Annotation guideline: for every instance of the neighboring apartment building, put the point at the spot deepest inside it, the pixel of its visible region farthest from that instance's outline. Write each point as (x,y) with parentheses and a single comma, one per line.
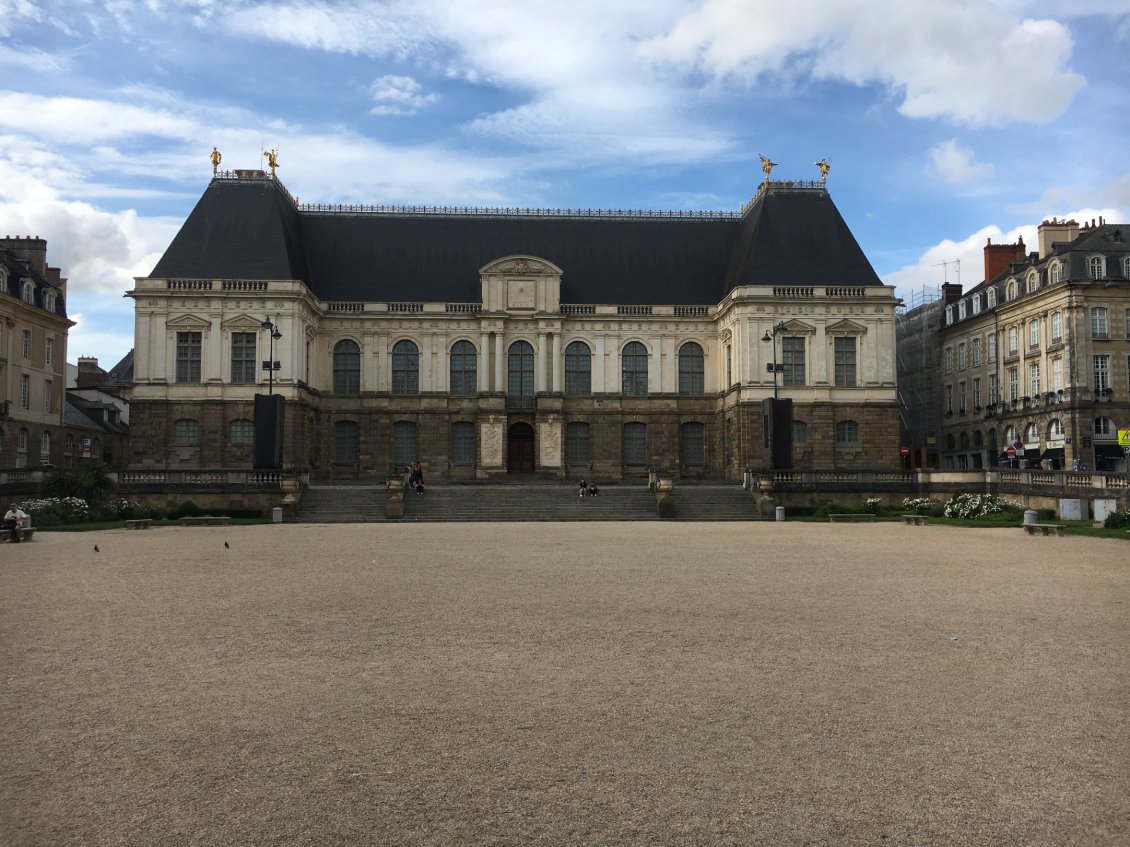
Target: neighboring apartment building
(493,341)
(33,351)
(1036,359)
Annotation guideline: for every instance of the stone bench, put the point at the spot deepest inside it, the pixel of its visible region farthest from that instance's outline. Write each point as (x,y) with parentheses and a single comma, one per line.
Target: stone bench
(205,520)
(1044,528)
(916,520)
(866,516)
(26,533)
(139,523)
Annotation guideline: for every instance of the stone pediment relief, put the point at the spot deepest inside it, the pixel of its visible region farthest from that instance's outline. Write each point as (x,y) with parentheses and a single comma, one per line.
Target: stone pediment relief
(521,265)
(845,327)
(242,322)
(798,328)
(187,322)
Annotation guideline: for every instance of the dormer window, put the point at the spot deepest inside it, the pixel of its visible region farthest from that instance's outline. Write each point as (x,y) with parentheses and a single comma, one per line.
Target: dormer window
(1126,267)
(1056,273)
(27,291)
(991,297)
(961,310)
(949,315)
(49,301)
(976,304)
(1032,282)
(1010,290)
(1096,266)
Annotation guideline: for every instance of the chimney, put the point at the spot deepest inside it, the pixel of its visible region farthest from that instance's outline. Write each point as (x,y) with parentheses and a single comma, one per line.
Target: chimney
(31,250)
(951,292)
(89,374)
(1055,232)
(999,256)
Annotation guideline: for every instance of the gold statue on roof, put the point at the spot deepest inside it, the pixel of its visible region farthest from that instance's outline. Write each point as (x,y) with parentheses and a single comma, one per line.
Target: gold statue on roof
(824,166)
(216,158)
(766,166)
(272,160)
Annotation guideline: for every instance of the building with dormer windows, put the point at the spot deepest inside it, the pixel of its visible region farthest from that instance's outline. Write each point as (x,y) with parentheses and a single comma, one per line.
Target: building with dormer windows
(487,342)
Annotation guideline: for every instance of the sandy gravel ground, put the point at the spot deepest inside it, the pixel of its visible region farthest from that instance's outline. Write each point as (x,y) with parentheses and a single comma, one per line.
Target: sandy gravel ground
(565,684)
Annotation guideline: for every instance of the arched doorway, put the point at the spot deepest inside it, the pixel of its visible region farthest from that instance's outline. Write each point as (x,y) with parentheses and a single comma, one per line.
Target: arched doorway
(520,449)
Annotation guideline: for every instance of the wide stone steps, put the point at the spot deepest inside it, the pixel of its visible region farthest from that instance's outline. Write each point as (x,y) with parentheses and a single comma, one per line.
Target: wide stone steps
(523,502)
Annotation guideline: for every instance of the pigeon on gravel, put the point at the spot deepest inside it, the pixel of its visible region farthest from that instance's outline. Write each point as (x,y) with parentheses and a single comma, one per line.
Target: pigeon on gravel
(227,546)
(96,550)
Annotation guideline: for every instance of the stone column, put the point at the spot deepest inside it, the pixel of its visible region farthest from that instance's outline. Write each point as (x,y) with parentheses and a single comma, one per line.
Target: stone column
(540,368)
(499,363)
(483,375)
(556,383)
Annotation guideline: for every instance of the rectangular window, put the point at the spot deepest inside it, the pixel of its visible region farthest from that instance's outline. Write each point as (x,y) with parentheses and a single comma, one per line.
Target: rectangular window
(991,349)
(994,389)
(25,391)
(1102,372)
(1013,340)
(976,352)
(949,399)
(949,359)
(27,344)
(961,398)
(188,356)
(1033,380)
(729,365)
(243,357)
(48,396)
(961,360)
(845,362)
(1057,373)
(49,352)
(1013,385)
(977,394)
(1057,327)
(792,355)
(577,443)
(1100,328)
(1034,334)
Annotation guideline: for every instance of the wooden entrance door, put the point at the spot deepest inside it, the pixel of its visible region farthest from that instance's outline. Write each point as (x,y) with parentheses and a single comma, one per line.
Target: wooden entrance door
(520,449)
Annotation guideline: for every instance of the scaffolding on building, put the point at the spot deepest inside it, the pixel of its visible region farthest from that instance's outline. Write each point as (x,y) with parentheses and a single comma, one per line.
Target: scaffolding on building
(918,363)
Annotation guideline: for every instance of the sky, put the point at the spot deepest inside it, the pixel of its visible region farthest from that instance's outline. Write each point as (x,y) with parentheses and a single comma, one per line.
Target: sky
(946,123)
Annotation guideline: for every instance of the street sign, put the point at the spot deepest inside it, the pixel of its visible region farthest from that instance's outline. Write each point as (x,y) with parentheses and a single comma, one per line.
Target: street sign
(1011,451)
(1124,438)
(905,451)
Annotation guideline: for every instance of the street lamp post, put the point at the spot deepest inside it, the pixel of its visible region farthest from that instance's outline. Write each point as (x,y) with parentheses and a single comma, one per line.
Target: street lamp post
(770,337)
(270,366)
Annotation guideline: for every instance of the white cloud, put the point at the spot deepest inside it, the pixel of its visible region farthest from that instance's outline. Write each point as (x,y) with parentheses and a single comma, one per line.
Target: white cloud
(963,60)
(399,95)
(956,164)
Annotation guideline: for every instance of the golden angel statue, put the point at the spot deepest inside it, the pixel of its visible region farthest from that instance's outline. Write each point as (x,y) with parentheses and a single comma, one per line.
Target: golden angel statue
(216,158)
(824,166)
(272,159)
(766,166)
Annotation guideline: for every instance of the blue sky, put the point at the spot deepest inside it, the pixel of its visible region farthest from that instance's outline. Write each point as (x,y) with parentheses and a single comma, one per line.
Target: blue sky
(945,123)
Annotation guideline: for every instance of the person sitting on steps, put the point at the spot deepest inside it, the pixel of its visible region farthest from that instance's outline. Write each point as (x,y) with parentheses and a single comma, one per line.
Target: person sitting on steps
(582,489)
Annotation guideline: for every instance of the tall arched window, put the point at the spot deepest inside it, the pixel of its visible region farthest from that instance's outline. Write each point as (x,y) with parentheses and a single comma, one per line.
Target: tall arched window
(577,443)
(464,369)
(347,367)
(405,368)
(963,441)
(635,443)
(634,370)
(1055,430)
(1031,434)
(1097,267)
(978,439)
(692,371)
(1104,426)
(520,371)
(403,442)
(346,442)
(693,444)
(578,370)
(1056,272)
(1010,290)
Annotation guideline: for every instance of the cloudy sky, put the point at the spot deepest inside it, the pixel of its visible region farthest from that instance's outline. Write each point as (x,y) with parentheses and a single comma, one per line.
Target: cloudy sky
(945,122)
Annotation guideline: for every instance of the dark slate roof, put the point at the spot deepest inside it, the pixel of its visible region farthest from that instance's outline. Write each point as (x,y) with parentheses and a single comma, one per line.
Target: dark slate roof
(19,270)
(249,228)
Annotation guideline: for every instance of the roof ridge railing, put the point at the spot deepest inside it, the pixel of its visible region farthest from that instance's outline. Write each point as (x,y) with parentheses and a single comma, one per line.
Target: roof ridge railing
(514,212)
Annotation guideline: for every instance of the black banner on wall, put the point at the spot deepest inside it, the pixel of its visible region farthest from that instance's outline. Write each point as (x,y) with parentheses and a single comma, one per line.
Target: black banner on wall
(268,452)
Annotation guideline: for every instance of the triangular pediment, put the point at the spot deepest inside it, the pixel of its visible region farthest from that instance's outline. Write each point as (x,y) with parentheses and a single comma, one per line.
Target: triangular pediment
(187,322)
(523,265)
(845,327)
(242,322)
(795,327)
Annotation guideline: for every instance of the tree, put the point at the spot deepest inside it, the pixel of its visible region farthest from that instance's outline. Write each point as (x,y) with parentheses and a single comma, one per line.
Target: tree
(89,479)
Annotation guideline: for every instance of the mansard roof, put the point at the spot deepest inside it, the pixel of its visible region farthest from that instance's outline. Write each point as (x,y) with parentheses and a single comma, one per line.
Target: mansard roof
(246,226)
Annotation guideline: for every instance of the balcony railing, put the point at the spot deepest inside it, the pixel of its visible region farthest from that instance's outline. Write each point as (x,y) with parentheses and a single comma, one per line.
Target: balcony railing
(521,404)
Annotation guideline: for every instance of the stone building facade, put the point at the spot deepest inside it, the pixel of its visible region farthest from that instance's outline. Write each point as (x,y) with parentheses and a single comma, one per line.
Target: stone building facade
(1037,357)
(486,342)
(33,351)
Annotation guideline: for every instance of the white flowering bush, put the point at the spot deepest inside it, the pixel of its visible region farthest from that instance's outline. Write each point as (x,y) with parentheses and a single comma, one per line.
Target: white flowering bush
(919,505)
(968,506)
(131,509)
(49,511)
(871,504)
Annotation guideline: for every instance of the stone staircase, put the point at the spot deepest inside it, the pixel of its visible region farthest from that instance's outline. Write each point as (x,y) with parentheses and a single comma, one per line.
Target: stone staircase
(523,502)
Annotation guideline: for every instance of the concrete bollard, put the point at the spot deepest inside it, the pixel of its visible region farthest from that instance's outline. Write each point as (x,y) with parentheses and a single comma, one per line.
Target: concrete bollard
(276,514)
(780,513)
(1029,516)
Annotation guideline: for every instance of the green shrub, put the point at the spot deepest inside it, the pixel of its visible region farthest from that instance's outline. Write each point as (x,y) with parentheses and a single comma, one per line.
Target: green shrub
(89,480)
(1045,515)
(187,509)
(1117,520)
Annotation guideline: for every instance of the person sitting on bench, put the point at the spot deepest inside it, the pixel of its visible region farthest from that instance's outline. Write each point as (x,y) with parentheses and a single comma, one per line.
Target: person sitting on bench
(14,520)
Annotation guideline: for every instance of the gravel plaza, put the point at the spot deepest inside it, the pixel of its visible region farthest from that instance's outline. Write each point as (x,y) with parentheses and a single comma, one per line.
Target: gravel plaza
(565,684)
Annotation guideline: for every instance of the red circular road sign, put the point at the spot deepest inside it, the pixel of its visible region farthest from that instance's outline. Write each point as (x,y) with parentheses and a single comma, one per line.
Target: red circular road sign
(905,451)
(1011,451)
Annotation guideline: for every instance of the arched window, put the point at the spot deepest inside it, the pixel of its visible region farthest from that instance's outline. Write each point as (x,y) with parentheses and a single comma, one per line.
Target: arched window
(1126,267)
(346,442)
(1055,430)
(49,301)
(520,371)
(464,370)
(403,442)
(1096,266)
(186,431)
(577,443)
(800,432)
(991,297)
(241,431)
(1100,322)
(1031,434)
(1056,272)
(847,432)
(633,371)
(405,368)
(45,447)
(1032,282)
(347,367)
(951,444)
(27,293)
(1104,426)
(692,371)
(578,370)
(693,444)
(963,441)
(463,443)
(978,439)
(635,443)
(1010,290)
